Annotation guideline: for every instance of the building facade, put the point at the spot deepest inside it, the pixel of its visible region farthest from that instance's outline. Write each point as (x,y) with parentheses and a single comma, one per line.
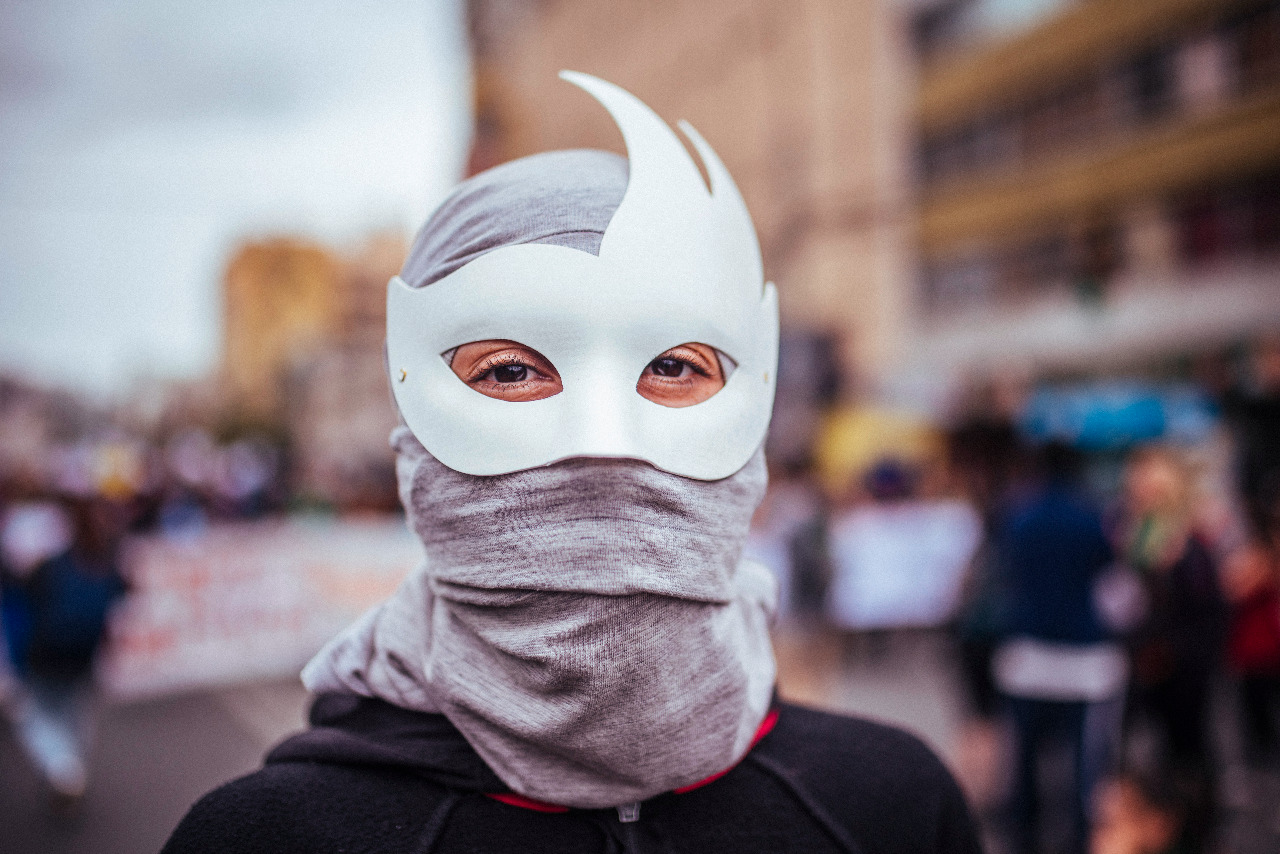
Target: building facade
(281,301)
(806,102)
(1101,192)
(949,190)
(304,329)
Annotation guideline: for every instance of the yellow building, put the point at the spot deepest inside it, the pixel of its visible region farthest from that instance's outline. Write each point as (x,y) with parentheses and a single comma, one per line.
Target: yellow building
(303,332)
(340,410)
(281,303)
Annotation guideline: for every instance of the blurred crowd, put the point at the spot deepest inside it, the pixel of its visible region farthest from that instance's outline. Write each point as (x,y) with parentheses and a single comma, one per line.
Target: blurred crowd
(1115,602)
(65,515)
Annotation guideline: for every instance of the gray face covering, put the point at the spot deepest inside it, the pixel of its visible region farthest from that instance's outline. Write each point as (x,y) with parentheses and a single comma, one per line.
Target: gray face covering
(588,626)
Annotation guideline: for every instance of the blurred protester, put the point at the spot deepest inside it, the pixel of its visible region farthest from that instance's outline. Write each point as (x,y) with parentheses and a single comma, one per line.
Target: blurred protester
(980,623)
(985,455)
(181,513)
(204,481)
(1253,411)
(1253,572)
(1177,648)
(1141,814)
(1253,651)
(32,531)
(12,608)
(62,577)
(244,473)
(984,448)
(1058,670)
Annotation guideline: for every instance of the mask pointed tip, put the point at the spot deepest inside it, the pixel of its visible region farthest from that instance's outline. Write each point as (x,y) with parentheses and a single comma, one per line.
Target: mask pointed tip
(583,81)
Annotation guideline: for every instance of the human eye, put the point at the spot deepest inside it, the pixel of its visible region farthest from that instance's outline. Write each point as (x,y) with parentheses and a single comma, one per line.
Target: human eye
(683,363)
(506,370)
(682,376)
(670,368)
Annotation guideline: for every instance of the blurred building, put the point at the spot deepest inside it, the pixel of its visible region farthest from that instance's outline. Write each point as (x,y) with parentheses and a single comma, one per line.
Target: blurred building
(806,103)
(33,422)
(281,302)
(950,188)
(303,330)
(1100,191)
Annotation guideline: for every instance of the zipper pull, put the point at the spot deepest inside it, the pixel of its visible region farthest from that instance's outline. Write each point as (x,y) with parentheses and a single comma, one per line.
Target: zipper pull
(628,813)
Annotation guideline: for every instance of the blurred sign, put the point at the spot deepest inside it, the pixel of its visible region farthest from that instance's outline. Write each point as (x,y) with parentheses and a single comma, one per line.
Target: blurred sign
(1112,415)
(900,565)
(247,601)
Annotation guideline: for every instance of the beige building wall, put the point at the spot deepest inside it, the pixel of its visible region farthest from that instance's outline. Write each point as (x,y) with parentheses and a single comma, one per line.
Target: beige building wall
(304,330)
(806,102)
(281,301)
(340,412)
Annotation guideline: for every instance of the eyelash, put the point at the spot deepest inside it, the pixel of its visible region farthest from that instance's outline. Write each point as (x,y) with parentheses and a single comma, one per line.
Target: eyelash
(693,366)
(500,361)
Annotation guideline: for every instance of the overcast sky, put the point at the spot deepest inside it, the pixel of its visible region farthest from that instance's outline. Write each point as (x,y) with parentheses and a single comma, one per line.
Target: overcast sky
(140,141)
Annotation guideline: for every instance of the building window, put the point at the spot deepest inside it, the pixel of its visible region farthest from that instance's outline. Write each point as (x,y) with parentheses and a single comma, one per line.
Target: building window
(1230,223)
(1198,70)
(960,282)
(1258,37)
(1152,84)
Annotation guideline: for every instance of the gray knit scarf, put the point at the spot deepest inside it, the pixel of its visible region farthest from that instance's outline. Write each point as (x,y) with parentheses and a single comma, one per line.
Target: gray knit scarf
(588,626)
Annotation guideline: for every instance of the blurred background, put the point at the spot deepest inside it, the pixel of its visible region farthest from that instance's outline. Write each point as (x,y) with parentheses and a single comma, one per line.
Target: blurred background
(1024,249)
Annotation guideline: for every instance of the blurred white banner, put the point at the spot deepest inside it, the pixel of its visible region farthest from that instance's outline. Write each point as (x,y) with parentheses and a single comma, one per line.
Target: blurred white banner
(244,602)
(900,565)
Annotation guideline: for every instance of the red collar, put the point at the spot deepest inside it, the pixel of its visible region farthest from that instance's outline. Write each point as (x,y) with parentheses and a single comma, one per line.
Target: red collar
(766,726)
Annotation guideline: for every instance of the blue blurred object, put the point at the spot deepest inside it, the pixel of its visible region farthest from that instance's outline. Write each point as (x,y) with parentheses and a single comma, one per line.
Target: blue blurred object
(890,479)
(1115,414)
(15,624)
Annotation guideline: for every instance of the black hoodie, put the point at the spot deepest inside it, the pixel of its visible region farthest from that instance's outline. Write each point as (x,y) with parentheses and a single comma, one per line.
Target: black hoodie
(371,777)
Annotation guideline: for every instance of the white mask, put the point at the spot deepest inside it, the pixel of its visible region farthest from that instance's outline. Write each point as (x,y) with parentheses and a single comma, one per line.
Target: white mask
(677,265)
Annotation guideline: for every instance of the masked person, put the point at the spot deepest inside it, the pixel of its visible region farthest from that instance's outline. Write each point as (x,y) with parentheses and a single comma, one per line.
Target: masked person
(583,352)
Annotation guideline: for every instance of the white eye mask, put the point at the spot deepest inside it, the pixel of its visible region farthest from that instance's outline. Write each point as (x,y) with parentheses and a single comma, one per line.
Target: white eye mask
(678,264)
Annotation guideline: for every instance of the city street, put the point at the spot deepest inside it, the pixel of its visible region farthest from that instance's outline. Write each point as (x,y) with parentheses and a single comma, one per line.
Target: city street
(152,760)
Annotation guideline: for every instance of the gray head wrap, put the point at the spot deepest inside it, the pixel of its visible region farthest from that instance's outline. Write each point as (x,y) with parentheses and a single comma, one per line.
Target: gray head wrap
(589,626)
(565,198)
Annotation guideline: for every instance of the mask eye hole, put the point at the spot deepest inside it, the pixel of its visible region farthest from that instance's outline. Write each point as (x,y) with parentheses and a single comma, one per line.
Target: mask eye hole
(683,376)
(505,370)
